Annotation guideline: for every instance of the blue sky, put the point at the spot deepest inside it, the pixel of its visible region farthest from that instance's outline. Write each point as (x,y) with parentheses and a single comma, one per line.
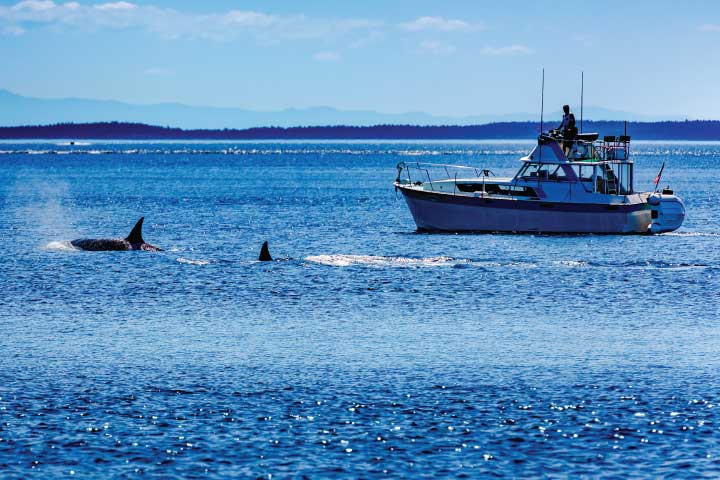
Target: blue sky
(446,58)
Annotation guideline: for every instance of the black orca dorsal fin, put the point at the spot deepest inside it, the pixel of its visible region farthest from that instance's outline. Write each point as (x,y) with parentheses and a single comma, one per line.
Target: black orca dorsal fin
(136,233)
(265,253)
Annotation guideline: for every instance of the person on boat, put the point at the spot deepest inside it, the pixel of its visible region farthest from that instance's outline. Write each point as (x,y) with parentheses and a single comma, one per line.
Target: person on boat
(568,129)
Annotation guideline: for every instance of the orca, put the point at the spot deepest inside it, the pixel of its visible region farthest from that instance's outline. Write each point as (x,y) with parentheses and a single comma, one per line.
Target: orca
(134,241)
(265,253)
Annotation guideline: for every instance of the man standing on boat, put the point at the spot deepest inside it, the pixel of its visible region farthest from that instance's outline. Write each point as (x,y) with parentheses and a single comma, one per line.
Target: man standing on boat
(568,128)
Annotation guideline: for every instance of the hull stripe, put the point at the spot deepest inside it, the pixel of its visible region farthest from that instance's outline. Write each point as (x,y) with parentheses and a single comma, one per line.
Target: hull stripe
(541,205)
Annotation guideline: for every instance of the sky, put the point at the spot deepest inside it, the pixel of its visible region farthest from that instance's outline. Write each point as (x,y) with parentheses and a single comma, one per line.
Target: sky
(452,58)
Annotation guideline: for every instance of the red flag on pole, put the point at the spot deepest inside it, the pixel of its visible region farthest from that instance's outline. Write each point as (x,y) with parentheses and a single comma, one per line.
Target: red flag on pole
(659,175)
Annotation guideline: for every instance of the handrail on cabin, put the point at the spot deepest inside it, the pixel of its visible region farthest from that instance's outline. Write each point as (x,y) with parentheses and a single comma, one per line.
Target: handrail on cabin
(444,165)
(420,167)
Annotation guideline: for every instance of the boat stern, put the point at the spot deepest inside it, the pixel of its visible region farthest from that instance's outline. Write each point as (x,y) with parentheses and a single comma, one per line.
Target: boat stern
(667,211)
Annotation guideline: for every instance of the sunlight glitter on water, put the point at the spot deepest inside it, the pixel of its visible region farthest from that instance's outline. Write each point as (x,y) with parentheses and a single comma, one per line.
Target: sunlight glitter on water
(511,356)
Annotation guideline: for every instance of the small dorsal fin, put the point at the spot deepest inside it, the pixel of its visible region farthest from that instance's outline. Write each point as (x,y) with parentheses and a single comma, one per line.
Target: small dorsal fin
(265,253)
(136,233)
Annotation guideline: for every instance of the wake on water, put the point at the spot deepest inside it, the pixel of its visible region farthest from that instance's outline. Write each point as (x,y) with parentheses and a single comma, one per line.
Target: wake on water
(379,261)
(189,261)
(690,234)
(340,260)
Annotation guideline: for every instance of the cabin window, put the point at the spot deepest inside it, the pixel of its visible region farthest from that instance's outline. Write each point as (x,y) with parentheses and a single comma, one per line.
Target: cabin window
(560,174)
(583,151)
(537,170)
(495,189)
(544,171)
(623,172)
(602,183)
(613,179)
(583,172)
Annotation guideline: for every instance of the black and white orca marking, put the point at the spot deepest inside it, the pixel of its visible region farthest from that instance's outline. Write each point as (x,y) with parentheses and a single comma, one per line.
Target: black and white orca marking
(134,241)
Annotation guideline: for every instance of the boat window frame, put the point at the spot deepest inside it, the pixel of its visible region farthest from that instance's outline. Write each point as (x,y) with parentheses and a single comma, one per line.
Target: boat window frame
(617,185)
(545,166)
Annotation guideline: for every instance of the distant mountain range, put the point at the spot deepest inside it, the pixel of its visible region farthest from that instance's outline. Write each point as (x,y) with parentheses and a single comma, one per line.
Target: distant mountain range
(16,110)
(685,130)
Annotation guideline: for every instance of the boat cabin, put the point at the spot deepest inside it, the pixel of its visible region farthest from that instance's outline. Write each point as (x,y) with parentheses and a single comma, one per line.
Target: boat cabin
(600,166)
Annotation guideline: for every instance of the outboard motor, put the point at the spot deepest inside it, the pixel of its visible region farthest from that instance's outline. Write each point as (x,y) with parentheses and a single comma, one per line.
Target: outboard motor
(667,211)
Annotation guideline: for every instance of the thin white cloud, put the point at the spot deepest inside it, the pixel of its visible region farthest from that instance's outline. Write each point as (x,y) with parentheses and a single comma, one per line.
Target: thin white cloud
(114,6)
(238,18)
(18,16)
(171,23)
(509,50)
(436,48)
(438,24)
(13,30)
(327,56)
(34,5)
(709,27)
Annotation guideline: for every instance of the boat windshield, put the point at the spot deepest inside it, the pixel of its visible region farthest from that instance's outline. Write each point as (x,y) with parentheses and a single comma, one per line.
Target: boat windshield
(583,150)
(546,171)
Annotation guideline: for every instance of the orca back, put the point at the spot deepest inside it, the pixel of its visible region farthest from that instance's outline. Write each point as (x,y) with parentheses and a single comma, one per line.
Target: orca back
(101,244)
(134,241)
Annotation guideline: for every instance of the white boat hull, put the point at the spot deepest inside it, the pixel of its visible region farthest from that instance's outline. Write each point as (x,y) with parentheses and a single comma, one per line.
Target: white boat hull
(434,211)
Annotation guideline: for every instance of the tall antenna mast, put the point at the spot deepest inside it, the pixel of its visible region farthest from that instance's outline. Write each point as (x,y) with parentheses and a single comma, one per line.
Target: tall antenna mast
(582,91)
(542,101)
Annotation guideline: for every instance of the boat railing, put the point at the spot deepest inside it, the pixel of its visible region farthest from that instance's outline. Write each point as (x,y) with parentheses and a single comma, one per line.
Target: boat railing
(586,146)
(615,148)
(417,173)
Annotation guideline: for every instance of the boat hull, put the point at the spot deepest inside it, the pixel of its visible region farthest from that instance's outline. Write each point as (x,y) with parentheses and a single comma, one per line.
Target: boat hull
(438,212)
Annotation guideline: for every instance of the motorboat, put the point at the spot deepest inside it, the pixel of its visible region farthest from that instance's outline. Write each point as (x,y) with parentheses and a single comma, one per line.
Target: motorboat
(583,185)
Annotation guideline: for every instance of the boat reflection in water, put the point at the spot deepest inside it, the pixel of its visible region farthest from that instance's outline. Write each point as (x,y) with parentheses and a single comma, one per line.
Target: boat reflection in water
(579,186)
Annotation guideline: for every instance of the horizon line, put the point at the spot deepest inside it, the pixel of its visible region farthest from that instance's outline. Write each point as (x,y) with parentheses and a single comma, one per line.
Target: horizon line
(116,130)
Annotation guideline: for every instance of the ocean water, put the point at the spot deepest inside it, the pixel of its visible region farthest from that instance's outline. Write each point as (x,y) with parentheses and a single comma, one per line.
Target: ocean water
(367,350)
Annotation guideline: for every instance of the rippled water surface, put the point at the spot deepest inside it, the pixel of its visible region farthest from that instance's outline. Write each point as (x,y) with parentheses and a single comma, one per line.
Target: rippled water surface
(367,350)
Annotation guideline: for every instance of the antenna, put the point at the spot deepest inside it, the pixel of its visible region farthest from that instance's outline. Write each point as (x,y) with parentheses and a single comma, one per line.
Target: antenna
(542,101)
(582,91)
(542,111)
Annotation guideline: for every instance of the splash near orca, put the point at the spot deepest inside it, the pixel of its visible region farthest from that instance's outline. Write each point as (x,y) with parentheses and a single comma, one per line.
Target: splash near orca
(265,253)
(134,241)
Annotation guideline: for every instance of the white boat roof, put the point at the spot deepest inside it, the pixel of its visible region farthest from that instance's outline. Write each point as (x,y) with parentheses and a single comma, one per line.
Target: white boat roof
(479,180)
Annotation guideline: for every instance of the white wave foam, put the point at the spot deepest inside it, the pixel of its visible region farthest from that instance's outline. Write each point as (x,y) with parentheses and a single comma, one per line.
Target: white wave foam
(60,246)
(572,263)
(377,261)
(380,261)
(192,262)
(690,234)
